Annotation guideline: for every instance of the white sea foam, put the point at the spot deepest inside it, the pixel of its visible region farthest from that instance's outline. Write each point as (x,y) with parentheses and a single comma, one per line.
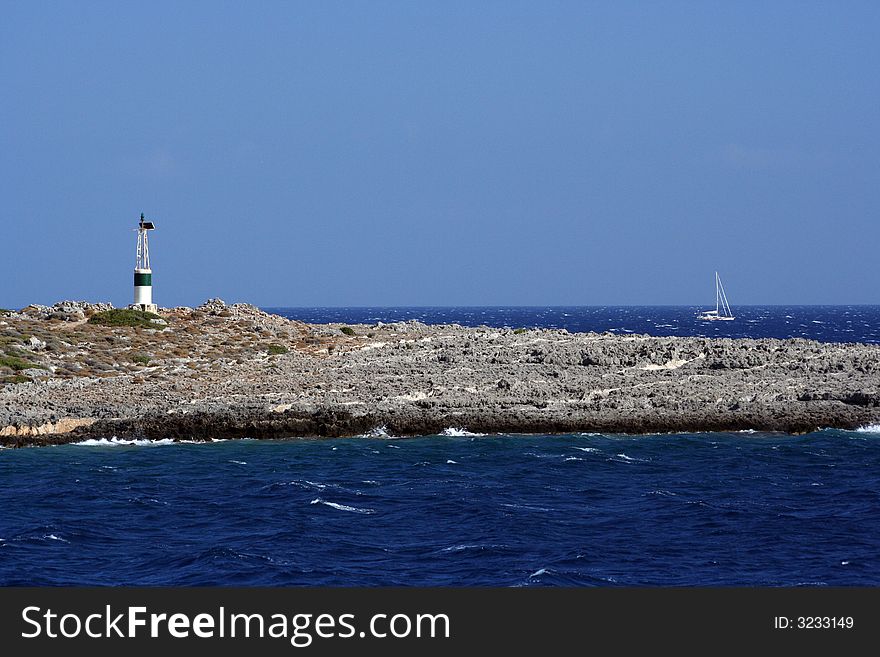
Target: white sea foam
(451,462)
(544,456)
(527,507)
(378,432)
(342,507)
(587,449)
(461,548)
(453,431)
(310,485)
(393,446)
(572,458)
(538,573)
(117,442)
(52,537)
(238,462)
(870,428)
(629,458)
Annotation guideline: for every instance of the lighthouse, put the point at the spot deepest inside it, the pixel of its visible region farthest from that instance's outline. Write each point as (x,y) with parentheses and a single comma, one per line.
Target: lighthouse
(143,275)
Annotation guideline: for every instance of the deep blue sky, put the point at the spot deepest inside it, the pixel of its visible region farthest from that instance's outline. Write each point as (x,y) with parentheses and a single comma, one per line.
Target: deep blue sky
(441,153)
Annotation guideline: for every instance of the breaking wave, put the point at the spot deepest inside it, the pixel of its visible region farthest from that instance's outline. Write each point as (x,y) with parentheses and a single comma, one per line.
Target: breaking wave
(379,432)
(117,442)
(342,507)
(453,431)
(870,428)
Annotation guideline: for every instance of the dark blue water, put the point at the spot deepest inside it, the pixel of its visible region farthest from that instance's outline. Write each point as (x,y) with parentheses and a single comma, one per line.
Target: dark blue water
(710,509)
(823,323)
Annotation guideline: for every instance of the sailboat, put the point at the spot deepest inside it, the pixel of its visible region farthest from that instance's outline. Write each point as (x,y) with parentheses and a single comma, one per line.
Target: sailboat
(722,308)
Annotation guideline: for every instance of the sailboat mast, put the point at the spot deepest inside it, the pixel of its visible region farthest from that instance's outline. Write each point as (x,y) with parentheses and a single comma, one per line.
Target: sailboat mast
(717,294)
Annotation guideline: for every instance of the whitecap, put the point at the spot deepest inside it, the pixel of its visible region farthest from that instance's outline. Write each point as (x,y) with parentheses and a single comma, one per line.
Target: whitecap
(342,507)
(393,446)
(238,462)
(572,458)
(630,459)
(372,482)
(587,449)
(451,462)
(544,456)
(52,537)
(461,548)
(538,573)
(453,431)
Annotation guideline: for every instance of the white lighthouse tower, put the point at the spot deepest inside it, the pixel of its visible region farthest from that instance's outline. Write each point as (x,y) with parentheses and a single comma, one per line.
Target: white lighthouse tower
(143,275)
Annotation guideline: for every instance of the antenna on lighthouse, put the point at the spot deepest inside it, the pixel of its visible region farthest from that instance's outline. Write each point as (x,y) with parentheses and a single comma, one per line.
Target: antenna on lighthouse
(143,275)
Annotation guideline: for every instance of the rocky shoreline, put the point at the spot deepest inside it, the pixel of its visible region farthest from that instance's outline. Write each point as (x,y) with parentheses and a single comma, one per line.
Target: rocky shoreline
(234,371)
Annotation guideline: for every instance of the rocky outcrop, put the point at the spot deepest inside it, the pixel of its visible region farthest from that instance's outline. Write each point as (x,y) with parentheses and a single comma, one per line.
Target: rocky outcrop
(68,311)
(235,371)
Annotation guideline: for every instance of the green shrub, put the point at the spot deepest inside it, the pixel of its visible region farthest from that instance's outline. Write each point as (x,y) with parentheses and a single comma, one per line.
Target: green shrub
(276,349)
(4,312)
(519,331)
(124,317)
(17,364)
(348,330)
(140,358)
(17,378)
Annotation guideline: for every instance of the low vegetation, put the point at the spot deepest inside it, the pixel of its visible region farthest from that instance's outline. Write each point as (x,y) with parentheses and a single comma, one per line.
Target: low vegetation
(519,331)
(348,330)
(17,364)
(276,349)
(125,317)
(141,359)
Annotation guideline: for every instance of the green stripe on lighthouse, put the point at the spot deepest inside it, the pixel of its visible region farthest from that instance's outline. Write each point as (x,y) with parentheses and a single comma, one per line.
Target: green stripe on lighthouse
(142,280)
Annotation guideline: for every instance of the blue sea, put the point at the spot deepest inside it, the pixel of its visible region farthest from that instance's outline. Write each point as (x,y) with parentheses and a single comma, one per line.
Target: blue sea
(823,323)
(461,509)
